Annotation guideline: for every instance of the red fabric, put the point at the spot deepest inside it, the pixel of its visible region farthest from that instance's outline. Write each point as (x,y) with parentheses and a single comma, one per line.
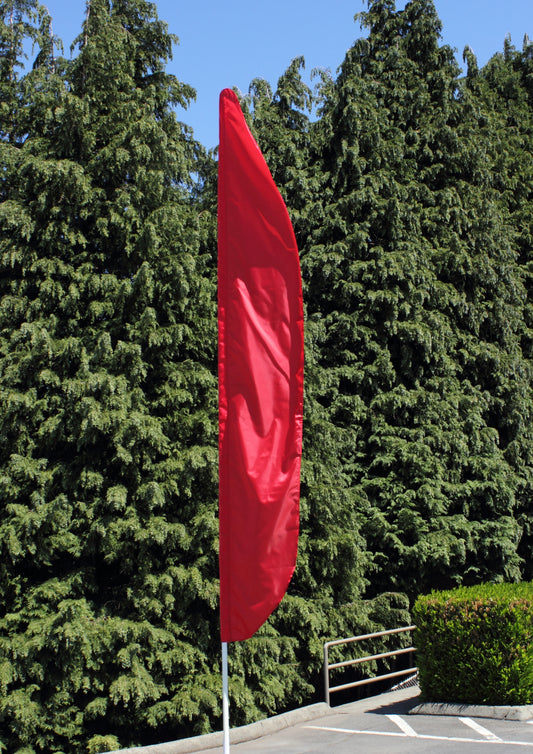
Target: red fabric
(260,382)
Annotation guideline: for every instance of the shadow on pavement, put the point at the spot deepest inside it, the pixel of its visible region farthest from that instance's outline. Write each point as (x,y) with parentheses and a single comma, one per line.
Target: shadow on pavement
(396,708)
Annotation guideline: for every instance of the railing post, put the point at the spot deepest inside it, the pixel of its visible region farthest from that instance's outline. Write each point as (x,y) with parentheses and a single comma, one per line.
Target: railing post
(326,674)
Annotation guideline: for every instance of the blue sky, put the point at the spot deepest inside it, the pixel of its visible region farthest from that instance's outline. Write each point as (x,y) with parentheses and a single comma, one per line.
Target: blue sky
(225,43)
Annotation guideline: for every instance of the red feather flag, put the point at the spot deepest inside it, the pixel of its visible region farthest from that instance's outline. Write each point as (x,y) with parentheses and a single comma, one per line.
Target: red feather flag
(260,317)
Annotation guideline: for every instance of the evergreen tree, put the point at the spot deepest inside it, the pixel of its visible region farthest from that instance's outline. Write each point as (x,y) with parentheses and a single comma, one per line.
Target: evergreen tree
(411,271)
(331,553)
(324,599)
(108,433)
(504,103)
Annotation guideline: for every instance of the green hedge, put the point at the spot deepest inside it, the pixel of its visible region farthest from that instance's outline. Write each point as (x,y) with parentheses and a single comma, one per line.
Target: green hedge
(475,644)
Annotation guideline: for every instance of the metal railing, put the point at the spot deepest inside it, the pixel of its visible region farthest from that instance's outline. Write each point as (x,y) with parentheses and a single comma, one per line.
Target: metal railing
(392,653)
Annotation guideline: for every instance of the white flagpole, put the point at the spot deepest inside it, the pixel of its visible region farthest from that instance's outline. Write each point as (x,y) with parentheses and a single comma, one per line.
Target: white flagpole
(225,698)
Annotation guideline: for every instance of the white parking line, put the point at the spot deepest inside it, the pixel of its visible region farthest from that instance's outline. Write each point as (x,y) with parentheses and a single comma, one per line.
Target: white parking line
(403,725)
(485,732)
(453,739)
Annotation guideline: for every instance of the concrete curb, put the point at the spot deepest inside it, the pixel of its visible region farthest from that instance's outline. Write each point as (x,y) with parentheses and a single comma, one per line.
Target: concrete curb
(518,713)
(237,735)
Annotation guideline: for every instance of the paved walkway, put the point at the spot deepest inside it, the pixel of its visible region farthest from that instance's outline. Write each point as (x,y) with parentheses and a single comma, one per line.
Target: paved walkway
(392,723)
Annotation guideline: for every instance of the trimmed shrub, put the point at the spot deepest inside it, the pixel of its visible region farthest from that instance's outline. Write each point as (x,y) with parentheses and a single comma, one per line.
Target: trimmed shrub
(475,644)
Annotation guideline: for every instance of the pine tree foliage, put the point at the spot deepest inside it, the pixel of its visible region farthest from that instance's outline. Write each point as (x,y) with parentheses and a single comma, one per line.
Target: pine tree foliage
(282,125)
(324,598)
(504,90)
(108,433)
(410,268)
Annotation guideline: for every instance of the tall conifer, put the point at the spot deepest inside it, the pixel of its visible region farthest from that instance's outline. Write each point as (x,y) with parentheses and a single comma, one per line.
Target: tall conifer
(504,103)
(325,596)
(411,271)
(107,394)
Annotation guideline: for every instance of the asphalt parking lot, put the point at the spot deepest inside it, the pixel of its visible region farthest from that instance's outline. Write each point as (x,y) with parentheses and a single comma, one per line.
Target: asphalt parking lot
(384,725)
(391,723)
